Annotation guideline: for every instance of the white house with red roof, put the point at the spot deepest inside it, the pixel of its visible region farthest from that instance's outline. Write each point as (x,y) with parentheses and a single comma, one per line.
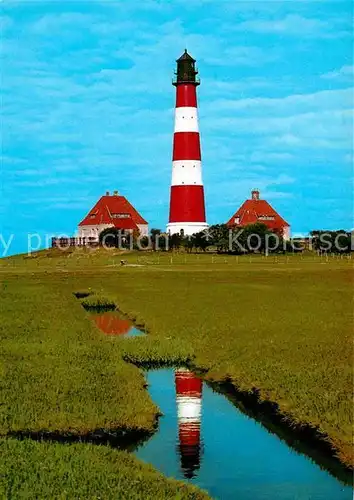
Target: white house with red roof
(112,211)
(257,210)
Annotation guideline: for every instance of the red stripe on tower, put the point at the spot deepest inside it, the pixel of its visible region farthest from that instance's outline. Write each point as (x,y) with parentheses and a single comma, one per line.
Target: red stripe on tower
(186,146)
(186,95)
(187,204)
(187,207)
(189,403)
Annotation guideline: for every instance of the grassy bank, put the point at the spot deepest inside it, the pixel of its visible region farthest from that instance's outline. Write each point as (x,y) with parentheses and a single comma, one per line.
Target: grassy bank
(284,328)
(50,470)
(60,373)
(281,325)
(60,376)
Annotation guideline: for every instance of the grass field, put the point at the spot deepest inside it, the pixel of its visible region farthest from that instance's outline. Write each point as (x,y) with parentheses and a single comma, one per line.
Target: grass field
(51,470)
(61,375)
(282,325)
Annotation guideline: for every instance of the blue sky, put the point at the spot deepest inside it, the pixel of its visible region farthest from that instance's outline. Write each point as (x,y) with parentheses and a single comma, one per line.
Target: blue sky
(87,106)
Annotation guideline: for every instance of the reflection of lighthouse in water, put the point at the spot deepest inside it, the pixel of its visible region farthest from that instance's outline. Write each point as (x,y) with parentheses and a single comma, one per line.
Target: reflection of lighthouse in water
(111,324)
(189,406)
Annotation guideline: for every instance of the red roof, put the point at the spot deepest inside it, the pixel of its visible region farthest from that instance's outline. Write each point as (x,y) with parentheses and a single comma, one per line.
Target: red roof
(114,210)
(256,210)
(124,223)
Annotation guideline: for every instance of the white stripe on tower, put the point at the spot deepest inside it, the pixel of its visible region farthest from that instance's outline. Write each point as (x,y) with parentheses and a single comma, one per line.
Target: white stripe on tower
(186,119)
(187,172)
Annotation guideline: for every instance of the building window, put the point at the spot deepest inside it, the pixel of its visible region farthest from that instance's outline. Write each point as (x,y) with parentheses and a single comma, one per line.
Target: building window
(120,216)
(266,217)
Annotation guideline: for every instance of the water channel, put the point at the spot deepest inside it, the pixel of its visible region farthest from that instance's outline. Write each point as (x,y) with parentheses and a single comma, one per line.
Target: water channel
(113,323)
(204,438)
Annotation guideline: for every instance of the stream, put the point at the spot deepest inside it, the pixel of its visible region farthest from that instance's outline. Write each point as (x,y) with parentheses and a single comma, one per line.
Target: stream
(203,438)
(113,323)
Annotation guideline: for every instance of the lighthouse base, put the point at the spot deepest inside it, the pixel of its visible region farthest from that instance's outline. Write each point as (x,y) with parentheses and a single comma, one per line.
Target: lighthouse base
(188,228)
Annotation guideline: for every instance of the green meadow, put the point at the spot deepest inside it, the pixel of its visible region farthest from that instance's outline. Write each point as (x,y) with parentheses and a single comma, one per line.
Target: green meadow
(278,324)
(50,470)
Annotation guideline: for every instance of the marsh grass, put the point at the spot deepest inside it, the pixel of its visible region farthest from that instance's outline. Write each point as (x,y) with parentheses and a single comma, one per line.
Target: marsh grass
(82,294)
(279,326)
(42,470)
(64,382)
(122,439)
(98,302)
(60,373)
(147,352)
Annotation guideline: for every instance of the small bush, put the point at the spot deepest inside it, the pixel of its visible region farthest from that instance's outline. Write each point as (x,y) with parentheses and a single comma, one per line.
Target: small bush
(147,352)
(82,294)
(100,302)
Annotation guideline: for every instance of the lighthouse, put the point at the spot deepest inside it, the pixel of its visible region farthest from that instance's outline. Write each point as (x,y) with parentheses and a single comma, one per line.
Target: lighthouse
(189,404)
(187,207)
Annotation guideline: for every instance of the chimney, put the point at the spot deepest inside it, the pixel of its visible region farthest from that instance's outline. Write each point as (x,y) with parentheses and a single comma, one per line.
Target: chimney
(115,193)
(107,193)
(255,194)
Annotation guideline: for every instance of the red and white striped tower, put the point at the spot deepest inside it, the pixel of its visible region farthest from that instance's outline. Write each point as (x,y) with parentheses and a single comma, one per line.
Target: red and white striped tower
(189,406)
(187,208)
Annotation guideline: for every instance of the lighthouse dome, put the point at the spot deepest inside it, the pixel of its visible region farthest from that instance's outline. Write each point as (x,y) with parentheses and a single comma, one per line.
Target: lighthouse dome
(186,70)
(185,57)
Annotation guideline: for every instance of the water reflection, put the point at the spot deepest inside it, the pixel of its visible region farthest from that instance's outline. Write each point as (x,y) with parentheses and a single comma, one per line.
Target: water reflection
(212,444)
(111,323)
(189,406)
